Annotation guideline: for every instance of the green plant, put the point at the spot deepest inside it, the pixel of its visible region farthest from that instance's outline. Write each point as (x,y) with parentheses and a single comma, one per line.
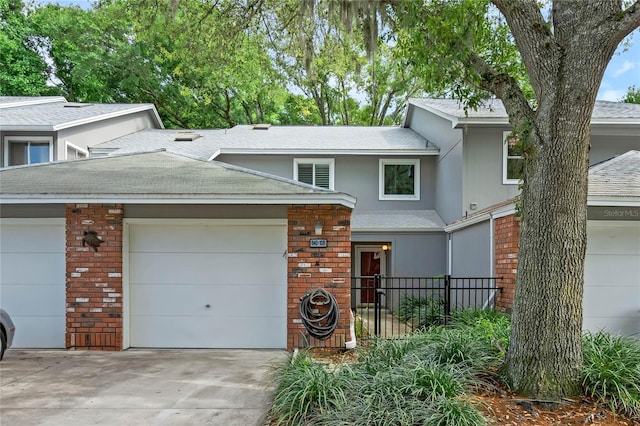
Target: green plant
(611,371)
(421,311)
(455,411)
(306,387)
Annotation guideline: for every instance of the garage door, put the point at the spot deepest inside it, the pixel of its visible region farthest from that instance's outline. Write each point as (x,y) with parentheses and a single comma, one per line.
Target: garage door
(612,277)
(32,280)
(215,285)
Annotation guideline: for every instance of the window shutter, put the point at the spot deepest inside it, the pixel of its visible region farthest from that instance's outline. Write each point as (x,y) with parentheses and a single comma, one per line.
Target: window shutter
(305,173)
(322,175)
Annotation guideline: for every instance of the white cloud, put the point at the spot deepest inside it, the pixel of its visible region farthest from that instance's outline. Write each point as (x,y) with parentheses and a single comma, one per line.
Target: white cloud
(611,95)
(626,66)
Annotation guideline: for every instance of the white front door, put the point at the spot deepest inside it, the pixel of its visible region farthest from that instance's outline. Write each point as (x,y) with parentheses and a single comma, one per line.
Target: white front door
(32,280)
(216,284)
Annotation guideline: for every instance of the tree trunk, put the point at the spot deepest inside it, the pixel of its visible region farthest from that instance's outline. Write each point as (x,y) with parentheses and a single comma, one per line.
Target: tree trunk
(544,359)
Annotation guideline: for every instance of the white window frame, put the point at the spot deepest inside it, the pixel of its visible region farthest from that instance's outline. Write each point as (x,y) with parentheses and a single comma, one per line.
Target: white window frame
(314,161)
(76,148)
(505,159)
(9,139)
(415,162)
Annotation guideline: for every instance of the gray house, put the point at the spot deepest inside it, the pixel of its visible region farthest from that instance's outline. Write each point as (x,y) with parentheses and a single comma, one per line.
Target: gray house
(432,197)
(475,196)
(43,129)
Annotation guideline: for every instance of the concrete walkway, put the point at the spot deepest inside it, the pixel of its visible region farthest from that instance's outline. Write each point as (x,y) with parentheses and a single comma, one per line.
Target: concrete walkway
(136,387)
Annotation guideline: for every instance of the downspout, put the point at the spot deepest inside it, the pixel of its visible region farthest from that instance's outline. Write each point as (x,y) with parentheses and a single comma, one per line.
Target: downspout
(449,252)
(492,247)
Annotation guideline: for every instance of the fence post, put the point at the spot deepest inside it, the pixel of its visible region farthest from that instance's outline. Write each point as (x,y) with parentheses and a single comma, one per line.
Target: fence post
(447,298)
(376,305)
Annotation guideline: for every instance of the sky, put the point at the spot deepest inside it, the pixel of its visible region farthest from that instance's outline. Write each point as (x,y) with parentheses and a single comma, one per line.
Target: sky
(623,70)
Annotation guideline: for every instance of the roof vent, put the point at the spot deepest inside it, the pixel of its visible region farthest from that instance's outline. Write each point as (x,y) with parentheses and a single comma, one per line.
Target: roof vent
(262,126)
(186,136)
(75,105)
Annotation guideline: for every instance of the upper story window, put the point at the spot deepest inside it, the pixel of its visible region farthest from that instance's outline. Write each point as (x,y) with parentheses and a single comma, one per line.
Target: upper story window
(73,152)
(512,161)
(399,179)
(19,150)
(314,171)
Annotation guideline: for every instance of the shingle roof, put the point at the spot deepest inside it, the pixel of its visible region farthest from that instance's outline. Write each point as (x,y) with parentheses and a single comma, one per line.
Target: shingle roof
(396,220)
(492,110)
(14,101)
(617,177)
(60,114)
(279,139)
(155,175)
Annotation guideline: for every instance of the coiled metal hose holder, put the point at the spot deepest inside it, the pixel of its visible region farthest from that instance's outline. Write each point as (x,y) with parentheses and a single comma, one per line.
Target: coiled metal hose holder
(319,321)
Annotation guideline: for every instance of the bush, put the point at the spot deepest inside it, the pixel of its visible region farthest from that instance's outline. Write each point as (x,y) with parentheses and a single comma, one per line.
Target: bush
(421,312)
(305,387)
(611,371)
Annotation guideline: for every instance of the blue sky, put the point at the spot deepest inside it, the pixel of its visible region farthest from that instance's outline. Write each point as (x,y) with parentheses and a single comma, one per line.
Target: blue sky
(623,70)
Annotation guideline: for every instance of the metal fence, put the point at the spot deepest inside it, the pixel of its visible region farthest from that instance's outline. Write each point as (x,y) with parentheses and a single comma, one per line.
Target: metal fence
(391,307)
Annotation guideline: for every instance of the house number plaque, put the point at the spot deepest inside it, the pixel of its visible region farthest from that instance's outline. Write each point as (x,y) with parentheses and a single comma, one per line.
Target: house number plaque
(318,243)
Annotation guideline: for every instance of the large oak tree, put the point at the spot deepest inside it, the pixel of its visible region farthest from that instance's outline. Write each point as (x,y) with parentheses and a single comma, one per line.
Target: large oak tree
(565,49)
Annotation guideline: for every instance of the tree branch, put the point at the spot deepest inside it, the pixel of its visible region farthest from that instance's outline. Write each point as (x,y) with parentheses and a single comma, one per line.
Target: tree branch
(533,37)
(504,87)
(628,20)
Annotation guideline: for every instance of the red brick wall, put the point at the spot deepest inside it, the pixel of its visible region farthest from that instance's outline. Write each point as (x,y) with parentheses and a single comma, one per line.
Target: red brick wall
(506,237)
(311,268)
(94,279)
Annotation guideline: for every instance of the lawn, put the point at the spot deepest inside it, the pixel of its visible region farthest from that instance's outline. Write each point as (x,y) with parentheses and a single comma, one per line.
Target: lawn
(449,376)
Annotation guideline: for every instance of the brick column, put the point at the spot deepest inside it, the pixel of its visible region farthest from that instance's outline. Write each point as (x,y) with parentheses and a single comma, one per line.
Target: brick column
(94,278)
(506,239)
(311,268)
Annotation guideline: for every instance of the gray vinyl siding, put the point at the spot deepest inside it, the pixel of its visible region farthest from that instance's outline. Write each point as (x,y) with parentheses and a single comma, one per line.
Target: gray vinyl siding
(471,251)
(354,175)
(449,165)
(604,147)
(91,134)
(411,255)
(483,169)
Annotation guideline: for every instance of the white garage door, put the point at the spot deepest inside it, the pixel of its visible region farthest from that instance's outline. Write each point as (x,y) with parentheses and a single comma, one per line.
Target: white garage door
(612,277)
(32,280)
(215,285)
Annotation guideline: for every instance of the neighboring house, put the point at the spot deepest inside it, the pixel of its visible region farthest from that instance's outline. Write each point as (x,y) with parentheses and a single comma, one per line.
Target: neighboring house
(475,196)
(429,198)
(43,129)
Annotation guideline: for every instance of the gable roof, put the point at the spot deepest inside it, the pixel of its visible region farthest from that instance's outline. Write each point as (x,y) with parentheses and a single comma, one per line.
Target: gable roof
(155,177)
(617,178)
(51,114)
(492,112)
(302,140)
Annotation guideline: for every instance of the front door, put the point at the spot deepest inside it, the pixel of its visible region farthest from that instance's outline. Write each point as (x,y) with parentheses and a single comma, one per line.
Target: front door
(371,261)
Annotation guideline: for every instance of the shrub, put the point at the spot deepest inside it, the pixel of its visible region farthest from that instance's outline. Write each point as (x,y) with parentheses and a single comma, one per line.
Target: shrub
(420,311)
(305,387)
(611,371)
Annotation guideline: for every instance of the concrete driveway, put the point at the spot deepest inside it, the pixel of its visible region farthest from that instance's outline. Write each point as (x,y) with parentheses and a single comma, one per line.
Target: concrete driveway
(136,387)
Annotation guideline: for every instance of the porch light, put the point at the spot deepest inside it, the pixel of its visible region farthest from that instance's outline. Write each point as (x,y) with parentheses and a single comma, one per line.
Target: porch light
(386,247)
(318,228)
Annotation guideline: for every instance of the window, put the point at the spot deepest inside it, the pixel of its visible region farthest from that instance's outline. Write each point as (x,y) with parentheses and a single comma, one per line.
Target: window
(73,152)
(399,179)
(512,161)
(314,171)
(19,150)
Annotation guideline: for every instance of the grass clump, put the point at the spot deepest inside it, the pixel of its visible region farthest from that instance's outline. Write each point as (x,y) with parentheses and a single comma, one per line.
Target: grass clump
(611,372)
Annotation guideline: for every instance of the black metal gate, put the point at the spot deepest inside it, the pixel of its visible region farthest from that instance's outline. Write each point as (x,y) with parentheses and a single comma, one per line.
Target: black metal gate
(404,304)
